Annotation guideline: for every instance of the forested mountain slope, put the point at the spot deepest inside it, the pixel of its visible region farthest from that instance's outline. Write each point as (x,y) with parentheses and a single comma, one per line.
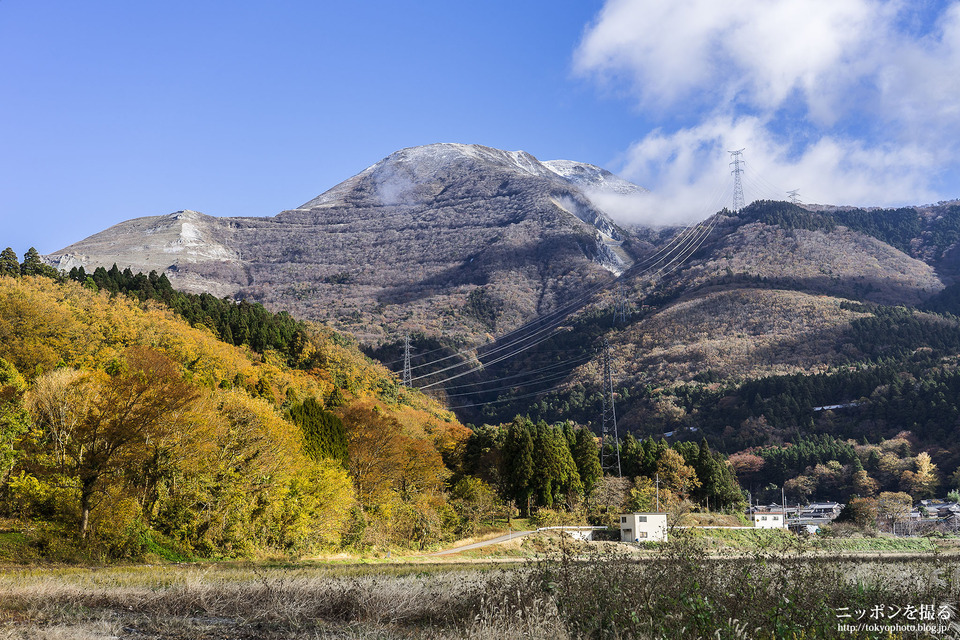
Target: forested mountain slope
(780,311)
(124,429)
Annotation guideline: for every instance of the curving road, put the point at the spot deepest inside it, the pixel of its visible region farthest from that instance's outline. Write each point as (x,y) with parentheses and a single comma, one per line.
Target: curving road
(476,545)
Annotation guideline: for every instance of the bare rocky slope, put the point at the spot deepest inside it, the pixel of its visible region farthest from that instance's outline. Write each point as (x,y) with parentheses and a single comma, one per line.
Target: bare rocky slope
(447,239)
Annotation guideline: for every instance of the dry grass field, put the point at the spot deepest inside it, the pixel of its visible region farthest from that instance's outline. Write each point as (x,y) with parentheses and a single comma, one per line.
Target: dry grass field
(776,589)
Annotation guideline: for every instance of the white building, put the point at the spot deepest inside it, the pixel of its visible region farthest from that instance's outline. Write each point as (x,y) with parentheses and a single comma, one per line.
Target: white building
(767,520)
(643,527)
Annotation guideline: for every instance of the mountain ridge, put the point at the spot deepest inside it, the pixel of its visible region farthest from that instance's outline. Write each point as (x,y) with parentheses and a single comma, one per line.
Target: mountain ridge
(421,229)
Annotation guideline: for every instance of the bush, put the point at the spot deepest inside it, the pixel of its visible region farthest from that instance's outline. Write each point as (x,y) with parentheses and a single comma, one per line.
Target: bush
(554,518)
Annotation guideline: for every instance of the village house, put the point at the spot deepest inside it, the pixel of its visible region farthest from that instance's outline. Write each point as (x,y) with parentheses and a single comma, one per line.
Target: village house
(767,520)
(948,509)
(643,527)
(772,516)
(825,510)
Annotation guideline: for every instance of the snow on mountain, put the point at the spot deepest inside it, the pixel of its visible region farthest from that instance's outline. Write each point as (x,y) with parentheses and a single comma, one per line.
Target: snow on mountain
(592,178)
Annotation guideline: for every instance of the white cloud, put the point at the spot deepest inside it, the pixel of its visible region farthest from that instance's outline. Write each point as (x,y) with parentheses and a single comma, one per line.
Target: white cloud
(691,170)
(743,50)
(836,97)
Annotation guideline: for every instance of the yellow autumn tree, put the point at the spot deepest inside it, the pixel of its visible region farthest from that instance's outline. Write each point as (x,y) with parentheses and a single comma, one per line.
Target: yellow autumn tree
(923,481)
(102,424)
(675,475)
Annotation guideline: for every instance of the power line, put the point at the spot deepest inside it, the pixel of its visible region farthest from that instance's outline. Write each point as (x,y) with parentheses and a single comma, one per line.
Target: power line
(562,385)
(565,309)
(667,259)
(684,250)
(551,378)
(566,363)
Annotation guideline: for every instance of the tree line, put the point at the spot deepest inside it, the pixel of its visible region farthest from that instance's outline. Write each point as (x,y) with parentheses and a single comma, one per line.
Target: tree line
(236,322)
(540,466)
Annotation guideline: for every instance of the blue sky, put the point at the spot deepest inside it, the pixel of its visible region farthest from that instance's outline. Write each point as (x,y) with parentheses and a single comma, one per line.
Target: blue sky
(111,110)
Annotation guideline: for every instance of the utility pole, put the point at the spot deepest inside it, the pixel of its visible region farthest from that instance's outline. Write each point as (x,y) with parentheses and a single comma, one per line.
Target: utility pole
(737,165)
(783,501)
(658,492)
(610,448)
(794,196)
(407,376)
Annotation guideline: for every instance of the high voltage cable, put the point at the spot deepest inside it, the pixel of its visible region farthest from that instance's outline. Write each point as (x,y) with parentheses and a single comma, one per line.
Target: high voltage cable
(682,247)
(482,365)
(520,397)
(563,309)
(488,364)
(557,365)
(678,239)
(695,246)
(695,240)
(556,376)
(687,248)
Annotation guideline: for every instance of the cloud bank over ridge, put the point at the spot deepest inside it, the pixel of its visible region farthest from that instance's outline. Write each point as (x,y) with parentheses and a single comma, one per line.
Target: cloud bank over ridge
(850,102)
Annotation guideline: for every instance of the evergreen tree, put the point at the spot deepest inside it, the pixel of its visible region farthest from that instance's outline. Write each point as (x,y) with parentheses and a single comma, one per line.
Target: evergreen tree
(9,264)
(556,475)
(324,435)
(631,456)
(518,463)
(33,265)
(586,455)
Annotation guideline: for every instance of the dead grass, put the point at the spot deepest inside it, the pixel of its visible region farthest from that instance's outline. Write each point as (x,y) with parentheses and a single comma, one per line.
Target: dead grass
(576,590)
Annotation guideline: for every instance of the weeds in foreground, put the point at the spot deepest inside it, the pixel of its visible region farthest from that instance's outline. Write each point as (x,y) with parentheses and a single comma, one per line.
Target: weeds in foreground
(778,590)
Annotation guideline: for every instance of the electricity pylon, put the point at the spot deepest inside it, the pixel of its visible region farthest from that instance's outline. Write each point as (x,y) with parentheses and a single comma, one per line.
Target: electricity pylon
(620,305)
(407,376)
(609,442)
(737,165)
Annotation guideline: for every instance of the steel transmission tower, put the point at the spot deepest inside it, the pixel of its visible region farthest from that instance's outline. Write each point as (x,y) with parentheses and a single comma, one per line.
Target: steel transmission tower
(737,165)
(794,196)
(407,376)
(620,305)
(609,442)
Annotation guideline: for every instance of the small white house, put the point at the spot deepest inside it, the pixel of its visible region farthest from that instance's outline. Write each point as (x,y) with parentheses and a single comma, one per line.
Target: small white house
(767,520)
(643,527)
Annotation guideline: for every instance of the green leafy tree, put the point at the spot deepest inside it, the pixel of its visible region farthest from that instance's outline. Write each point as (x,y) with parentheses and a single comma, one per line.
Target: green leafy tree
(475,502)
(14,419)
(483,454)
